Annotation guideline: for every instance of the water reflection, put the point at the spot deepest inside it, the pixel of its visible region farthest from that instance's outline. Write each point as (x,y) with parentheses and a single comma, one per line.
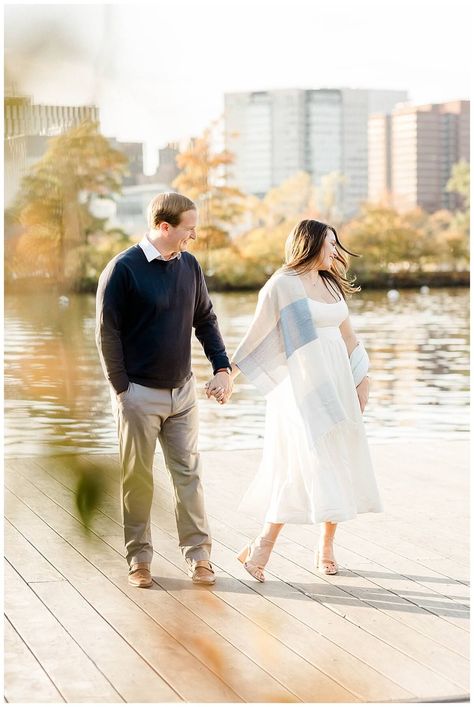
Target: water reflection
(55,394)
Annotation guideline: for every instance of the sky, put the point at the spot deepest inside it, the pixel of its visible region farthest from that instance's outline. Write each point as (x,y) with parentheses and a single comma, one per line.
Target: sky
(159,71)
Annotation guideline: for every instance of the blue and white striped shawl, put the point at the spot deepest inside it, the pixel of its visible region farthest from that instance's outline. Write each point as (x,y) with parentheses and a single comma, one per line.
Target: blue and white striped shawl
(283,341)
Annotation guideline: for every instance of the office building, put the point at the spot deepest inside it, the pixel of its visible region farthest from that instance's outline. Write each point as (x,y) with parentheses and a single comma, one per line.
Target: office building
(419,145)
(133,151)
(274,134)
(380,158)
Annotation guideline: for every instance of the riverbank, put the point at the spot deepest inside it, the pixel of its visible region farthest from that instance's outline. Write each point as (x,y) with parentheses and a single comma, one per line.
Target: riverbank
(376,281)
(392,626)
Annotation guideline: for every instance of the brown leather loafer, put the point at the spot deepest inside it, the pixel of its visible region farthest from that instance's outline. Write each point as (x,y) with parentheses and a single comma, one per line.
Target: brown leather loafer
(140,575)
(201,572)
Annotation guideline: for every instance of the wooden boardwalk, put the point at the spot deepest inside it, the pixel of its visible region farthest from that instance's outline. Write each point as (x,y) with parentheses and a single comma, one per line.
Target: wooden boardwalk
(391,627)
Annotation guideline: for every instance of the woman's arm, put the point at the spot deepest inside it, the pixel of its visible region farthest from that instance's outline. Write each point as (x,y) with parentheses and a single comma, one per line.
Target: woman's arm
(350,340)
(348,334)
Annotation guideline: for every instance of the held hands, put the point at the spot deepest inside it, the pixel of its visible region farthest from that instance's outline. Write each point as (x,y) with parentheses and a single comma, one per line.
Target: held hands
(220,387)
(363,392)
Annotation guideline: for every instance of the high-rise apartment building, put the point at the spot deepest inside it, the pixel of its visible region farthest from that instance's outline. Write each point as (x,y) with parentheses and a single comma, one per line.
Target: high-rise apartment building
(380,158)
(26,128)
(265,131)
(419,145)
(274,134)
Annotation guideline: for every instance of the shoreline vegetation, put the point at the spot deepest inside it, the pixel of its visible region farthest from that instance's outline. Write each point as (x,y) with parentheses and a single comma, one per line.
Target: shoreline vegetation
(56,235)
(384,282)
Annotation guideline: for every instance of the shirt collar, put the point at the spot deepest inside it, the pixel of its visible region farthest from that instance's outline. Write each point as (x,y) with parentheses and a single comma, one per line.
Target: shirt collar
(151,252)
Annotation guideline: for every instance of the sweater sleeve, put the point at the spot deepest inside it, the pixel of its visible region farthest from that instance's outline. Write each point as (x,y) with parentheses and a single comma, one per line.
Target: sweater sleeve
(206,327)
(110,301)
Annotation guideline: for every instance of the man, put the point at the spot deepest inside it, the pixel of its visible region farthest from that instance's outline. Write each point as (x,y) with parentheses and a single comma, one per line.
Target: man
(149,298)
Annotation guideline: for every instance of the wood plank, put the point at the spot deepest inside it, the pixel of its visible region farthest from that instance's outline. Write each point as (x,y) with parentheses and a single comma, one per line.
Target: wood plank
(163,517)
(441,660)
(20,662)
(402,609)
(323,651)
(216,500)
(299,672)
(438,495)
(71,670)
(34,567)
(408,609)
(428,591)
(161,546)
(216,490)
(334,597)
(132,677)
(388,661)
(362,586)
(319,650)
(154,644)
(220,611)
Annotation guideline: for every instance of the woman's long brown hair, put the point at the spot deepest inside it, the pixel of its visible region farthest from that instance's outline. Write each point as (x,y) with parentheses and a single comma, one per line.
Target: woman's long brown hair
(302,251)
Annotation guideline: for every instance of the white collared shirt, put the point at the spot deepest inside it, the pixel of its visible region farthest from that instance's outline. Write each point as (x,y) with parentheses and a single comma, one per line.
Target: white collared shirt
(151,252)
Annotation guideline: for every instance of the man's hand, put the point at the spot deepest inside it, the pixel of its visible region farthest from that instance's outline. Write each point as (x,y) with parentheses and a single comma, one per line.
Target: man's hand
(363,392)
(123,393)
(220,387)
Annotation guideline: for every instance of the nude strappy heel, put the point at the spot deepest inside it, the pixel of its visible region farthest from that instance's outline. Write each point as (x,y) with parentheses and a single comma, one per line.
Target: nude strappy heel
(326,566)
(255,556)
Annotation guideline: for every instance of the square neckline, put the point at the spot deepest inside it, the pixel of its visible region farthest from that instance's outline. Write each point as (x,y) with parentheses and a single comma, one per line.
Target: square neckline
(303,288)
(319,302)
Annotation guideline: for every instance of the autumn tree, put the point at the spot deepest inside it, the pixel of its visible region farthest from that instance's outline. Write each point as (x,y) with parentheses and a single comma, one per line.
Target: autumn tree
(292,200)
(53,205)
(202,178)
(386,239)
(328,197)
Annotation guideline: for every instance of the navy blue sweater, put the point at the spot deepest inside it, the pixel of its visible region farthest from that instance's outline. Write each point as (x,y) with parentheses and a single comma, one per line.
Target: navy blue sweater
(145,315)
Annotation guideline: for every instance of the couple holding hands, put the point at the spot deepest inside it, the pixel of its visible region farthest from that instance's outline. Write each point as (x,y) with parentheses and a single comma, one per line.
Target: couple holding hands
(300,352)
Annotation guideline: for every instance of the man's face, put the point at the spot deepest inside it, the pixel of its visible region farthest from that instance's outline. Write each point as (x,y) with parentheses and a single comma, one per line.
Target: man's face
(180,235)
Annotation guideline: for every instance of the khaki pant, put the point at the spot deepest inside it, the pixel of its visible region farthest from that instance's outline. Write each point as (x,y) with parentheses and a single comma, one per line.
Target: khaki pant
(144,415)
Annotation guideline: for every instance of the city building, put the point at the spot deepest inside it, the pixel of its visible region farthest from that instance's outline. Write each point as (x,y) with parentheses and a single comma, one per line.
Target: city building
(27,127)
(167,170)
(134,153)
(412,152)
(274,134)
(380,158)
(131,207)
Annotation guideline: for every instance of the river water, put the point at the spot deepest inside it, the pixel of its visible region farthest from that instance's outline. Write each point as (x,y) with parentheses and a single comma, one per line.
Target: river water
(56,397)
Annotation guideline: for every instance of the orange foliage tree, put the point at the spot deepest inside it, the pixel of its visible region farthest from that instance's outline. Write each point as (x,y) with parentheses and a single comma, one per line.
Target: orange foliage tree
(52,207)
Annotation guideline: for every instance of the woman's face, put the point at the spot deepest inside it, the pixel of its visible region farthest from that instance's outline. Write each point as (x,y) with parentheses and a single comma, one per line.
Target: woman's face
(328,251)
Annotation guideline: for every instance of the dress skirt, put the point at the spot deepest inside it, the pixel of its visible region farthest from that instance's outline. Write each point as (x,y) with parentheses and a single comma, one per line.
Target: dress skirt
(333,482)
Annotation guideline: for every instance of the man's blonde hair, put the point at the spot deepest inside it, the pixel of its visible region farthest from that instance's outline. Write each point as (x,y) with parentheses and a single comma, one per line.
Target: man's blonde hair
(168,207)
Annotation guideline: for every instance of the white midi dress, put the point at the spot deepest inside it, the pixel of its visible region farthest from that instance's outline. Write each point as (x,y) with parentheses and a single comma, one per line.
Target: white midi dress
(333,482)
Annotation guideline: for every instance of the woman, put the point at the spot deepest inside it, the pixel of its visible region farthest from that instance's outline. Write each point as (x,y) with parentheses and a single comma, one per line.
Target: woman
(303,355)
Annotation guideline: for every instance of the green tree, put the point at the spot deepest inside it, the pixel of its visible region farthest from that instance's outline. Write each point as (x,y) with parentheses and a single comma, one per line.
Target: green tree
(459,182)
(457,238)
(387,240)
(52,207)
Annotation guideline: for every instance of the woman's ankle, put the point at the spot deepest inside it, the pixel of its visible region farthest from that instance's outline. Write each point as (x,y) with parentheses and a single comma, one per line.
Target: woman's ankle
(262,539)
(326,542)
